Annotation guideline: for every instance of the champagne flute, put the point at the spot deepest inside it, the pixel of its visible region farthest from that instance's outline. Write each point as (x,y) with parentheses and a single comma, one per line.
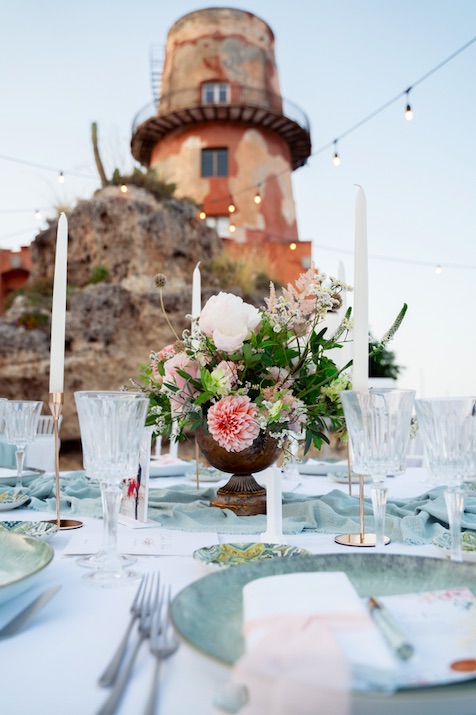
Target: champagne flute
(111,425)
(447,428)
(21,423)
(378,424)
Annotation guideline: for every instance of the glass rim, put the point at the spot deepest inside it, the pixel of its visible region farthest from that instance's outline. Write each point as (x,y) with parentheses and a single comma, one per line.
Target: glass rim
(115,393)
(445,399)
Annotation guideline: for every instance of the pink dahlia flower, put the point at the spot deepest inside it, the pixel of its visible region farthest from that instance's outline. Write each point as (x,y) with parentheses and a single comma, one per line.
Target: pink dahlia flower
(232,422)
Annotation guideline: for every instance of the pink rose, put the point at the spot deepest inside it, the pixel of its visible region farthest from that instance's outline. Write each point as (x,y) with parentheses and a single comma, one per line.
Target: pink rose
(232,422)
(228,321)
(181,361)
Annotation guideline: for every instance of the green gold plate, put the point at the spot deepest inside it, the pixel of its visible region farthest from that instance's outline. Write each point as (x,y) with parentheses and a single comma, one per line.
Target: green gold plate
(236,554)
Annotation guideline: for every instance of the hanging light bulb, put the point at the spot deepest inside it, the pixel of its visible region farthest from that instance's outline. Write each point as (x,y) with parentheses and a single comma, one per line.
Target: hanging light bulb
(202,215)
(231,207)
(124,188)
(37,214)
(438,270)
(61,177)
(232,228)
(257,198)
(292,246)
(408,110)
(336,159)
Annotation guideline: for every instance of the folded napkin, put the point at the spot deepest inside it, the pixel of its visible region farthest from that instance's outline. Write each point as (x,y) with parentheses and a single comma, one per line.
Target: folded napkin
(309,640)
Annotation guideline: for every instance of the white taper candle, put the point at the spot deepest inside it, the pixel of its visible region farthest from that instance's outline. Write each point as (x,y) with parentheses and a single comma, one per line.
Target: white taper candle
(360,371)
(58,311)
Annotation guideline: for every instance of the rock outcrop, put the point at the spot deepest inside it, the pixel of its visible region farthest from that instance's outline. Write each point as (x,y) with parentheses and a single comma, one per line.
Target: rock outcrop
(111,326)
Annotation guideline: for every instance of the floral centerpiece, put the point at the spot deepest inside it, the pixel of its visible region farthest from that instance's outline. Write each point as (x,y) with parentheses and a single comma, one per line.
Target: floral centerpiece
(241,371)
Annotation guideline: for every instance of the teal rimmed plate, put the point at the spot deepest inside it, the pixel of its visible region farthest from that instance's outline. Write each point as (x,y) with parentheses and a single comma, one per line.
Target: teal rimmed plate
(208,614)
(221,555)
(22,558)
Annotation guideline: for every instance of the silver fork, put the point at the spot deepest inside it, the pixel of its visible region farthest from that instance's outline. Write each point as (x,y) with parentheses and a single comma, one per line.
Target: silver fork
(163,644)
(150,604)
(110,674)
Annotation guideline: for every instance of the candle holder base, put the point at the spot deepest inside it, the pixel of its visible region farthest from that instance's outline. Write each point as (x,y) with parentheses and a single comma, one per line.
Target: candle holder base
(359,540)
(65,524)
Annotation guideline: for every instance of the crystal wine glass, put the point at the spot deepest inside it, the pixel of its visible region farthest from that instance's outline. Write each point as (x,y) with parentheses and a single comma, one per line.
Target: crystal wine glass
(21,423)
(447,427)
(378,424)
(111,425)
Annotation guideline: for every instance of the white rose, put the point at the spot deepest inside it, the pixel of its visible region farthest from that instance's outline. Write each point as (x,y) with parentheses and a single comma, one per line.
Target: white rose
(228,321)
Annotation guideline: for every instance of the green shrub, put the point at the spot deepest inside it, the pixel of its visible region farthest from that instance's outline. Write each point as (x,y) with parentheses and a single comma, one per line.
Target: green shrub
(98,274)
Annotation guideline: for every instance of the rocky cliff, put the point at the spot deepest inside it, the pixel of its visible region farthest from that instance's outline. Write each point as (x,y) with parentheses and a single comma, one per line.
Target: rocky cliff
(111,326)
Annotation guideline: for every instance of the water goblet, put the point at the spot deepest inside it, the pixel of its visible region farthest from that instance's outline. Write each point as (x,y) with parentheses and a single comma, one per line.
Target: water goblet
(21,423)
(111,426)
(378,424)
(448,429)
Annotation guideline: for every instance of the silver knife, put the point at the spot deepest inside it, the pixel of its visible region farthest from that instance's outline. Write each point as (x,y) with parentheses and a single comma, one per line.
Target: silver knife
(17,623)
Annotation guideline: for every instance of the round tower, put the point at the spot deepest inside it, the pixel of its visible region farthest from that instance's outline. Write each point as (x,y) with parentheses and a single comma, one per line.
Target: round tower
(223,134)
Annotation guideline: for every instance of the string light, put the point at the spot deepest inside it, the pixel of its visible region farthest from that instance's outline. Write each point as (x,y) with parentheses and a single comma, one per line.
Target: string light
(202,215)
(438,270)
(408,110)
(231,207)
(336,159)
(61,177)
(124,188)
(232,228)
(292,246)
(257,198)
(37,214)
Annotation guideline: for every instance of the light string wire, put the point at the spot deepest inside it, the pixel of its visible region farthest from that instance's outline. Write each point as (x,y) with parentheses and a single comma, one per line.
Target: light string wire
(320,150)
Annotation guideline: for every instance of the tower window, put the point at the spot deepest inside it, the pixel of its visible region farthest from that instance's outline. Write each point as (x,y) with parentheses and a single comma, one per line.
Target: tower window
(215,92)
(214,162)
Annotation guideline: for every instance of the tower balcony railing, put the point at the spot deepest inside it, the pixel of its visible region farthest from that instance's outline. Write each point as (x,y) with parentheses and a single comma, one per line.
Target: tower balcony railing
(189,99)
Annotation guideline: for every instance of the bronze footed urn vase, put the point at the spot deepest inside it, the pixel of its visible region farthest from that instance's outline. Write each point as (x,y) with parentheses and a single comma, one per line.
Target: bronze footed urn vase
(242,493)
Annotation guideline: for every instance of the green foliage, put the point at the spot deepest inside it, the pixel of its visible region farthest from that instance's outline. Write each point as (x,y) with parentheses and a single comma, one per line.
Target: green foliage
(382,362)
(38,293)
(98,274)
(146,180)
(33,320)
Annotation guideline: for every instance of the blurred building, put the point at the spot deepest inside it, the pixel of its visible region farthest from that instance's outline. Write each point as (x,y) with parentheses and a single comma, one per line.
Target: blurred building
(222,132)
(15,267)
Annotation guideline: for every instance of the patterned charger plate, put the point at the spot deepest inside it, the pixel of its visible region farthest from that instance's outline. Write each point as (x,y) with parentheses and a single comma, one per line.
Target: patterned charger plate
(468,544)
(40,529)
(11,501)
(236,554)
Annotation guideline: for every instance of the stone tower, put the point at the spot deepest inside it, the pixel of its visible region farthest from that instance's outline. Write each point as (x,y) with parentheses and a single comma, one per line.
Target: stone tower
(225,136)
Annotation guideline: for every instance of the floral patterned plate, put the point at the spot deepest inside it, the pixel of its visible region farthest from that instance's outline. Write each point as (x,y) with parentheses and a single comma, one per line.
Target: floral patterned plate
(235,554)
(40,529)
(11,501)
(468,544)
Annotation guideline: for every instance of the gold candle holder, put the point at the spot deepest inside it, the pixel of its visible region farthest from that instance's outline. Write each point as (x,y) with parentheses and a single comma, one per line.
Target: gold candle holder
(55,403)
(360,539)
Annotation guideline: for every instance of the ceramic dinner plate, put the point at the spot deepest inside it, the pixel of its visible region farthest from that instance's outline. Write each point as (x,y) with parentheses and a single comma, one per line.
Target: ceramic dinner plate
(208,614)
(468,545)
(220,555)
(12,501)
(321,468)
(174,469)
(39,529)
(8,475)
(22,558)
(208,474)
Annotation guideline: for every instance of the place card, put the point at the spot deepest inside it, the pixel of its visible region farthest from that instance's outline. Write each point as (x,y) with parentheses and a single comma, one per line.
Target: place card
(150,541)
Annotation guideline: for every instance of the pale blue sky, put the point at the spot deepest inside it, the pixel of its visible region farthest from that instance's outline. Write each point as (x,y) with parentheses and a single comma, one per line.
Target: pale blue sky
(63,66)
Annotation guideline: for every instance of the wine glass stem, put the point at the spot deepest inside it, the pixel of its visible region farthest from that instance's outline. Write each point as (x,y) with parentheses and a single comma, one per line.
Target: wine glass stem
(379,503)
(20,458)
(454,498)
(111,497)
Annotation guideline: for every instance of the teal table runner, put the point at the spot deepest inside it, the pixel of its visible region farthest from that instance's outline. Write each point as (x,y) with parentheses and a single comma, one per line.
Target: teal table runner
(415,521)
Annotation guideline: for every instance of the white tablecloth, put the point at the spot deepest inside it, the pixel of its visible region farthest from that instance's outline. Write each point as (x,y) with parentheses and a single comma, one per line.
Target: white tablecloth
(52,667)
